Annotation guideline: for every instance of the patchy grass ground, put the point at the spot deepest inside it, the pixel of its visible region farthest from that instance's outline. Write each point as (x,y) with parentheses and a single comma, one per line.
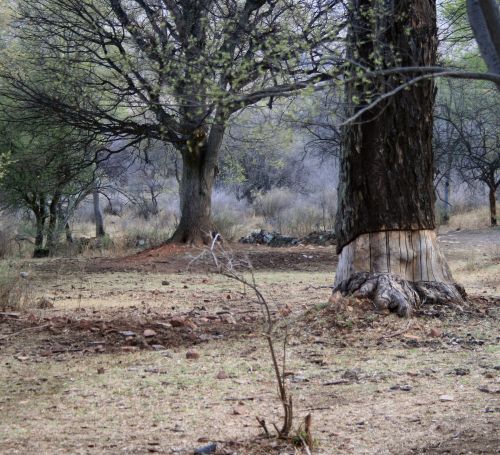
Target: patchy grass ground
(105,371)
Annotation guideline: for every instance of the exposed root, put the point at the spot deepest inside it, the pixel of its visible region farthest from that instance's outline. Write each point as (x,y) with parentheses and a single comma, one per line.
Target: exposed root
(389,291)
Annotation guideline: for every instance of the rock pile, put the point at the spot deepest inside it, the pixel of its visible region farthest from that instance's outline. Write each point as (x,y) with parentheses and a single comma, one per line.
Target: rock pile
(275,239)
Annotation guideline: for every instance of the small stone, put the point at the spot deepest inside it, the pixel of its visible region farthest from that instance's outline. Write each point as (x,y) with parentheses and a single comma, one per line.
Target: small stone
(100,370)
(210,448)
(446,398)
(228,319)
(158,347)
(461,371)
(165,283)
(148,333)
(127,333)
(403,387)
(44,303)
(222,375)
(192,355)
(352,375)
(435,332)
(176,322)
(130,348)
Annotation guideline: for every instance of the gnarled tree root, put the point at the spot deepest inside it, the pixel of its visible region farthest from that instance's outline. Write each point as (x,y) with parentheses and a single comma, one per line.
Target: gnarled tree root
(389,291)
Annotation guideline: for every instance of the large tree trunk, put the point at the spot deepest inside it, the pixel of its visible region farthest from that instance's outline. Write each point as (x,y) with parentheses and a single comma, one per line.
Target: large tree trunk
(52,233)
(98,216)
(447,184)
(493,204)
(199,168)
(385,221)
(40,212)
(68,233)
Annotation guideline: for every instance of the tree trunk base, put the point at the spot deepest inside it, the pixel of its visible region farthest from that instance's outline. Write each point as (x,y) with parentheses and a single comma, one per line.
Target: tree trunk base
(191,237)
(389,291)
(40,253)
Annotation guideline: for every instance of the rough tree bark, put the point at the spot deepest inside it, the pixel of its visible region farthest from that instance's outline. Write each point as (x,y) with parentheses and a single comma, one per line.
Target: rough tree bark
(199,169)
(385,221)
(40,210)
(493,204)
(52,225)
(68,233)
(99,219)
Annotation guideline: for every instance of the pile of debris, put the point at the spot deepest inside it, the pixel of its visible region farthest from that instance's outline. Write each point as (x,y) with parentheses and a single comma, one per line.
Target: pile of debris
(322,238)
(275,239)
(269,238)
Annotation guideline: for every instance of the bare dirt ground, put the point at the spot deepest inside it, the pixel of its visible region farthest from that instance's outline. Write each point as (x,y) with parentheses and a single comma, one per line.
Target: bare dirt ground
(106,369)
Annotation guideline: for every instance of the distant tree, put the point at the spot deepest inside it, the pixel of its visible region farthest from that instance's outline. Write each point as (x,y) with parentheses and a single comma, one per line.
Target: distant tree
(46,172)
(475,119)
(385,221)
(174,71)
(261,152)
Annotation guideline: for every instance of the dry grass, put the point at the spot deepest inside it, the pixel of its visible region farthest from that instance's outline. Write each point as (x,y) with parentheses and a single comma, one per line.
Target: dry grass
(478,218)
(16,290)
(367,390)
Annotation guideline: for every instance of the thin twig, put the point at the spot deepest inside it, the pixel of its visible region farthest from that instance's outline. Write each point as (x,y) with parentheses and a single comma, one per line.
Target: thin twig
(28,329)
(399,332)
(304,444)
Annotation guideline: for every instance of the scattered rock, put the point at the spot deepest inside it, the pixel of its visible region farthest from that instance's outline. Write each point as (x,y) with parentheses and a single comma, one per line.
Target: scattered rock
(100,370)
(275,239)
(44,303)
(10,315)
(165,283)
(352,375)
(210,448)
(177,321)
(269,238)
(130,348)
(222,375)
(148,333)
(461,371)
(435,332)
(127,333)
(487,389)
(402,387)
(228,319)
(158,347)
(192,355)
(446,398)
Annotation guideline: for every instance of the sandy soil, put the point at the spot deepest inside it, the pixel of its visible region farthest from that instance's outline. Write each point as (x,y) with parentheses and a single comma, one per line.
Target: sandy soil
(106,369)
